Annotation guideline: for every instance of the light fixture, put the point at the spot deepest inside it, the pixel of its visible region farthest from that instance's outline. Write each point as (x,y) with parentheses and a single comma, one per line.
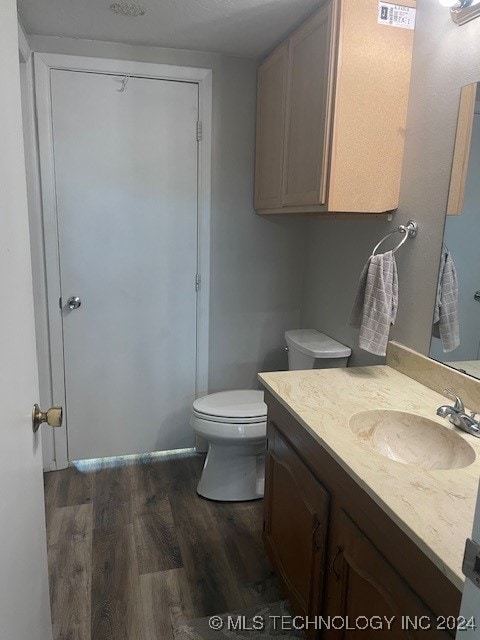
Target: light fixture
(128,9)
(462,11)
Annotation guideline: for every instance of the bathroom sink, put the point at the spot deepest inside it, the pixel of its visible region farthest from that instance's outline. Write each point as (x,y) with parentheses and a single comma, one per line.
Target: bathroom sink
(412,439)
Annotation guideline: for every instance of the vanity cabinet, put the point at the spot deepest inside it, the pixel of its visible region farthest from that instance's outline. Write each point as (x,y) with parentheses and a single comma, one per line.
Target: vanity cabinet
(331,114)
(295,531)
(363,584)
(336,552)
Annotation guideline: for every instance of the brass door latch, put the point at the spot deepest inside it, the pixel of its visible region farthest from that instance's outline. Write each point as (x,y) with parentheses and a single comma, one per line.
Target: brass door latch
(53,417)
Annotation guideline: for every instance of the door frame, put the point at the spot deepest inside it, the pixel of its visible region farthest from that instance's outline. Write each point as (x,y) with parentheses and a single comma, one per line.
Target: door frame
(43,65)
(36,234)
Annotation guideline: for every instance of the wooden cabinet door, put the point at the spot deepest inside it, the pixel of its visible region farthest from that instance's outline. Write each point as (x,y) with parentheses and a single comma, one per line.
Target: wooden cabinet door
(296,518)
(271,102)
(308,111)
(362,584)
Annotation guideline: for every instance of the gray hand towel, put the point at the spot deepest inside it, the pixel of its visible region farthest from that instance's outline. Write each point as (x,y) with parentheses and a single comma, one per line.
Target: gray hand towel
(375,307)
(445,317)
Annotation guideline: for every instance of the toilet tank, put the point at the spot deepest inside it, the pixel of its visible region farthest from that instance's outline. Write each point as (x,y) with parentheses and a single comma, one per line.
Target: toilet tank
(310,349)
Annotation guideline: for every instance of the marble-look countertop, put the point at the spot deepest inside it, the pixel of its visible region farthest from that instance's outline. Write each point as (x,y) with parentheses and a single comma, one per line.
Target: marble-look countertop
(435,508)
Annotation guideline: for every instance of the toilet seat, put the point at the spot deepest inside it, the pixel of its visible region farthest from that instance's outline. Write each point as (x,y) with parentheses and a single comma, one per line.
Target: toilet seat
(232,407)
(223,420)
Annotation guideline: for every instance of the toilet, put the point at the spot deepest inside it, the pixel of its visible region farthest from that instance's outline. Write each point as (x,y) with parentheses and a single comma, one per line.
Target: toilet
(234,423)
(310,349)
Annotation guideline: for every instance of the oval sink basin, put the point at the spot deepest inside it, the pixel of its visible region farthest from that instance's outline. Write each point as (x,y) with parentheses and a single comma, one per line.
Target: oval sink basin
(412,439)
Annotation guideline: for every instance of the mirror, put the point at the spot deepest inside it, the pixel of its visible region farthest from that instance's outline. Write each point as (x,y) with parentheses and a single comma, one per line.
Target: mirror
(456,330)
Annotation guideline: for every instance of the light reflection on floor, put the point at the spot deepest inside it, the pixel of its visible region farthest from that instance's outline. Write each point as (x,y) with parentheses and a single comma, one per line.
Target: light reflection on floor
(90,466)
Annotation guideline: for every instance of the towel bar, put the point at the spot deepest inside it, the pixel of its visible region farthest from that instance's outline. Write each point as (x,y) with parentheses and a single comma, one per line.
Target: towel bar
(409,230)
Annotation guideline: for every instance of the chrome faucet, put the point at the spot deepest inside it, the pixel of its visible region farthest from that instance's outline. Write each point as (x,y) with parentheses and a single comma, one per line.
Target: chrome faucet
(458,417)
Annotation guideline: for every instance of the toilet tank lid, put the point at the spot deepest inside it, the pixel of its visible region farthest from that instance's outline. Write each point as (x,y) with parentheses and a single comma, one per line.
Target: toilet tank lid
(316,344)
(243,403)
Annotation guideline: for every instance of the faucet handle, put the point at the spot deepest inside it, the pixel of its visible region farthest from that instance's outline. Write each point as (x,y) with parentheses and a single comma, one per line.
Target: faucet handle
(459,406)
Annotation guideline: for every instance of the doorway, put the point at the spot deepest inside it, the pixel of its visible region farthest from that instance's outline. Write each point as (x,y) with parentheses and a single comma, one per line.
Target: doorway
(125,159)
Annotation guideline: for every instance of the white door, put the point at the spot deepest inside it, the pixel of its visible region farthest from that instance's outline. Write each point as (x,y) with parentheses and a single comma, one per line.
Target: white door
(24,600)
(470,609)
(125,152)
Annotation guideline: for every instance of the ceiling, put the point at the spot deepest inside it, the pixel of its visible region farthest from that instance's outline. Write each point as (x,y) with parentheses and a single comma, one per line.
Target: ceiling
(246,28)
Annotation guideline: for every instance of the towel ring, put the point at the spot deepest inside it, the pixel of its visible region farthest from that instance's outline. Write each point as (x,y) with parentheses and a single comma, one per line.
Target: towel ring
(409,230)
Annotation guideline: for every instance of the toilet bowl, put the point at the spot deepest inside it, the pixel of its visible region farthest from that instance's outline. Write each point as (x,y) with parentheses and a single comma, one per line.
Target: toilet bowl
(234,423)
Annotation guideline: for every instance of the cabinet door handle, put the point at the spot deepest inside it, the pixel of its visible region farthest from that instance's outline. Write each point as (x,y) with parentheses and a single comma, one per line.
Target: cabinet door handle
(334,562)
(318,537)
(315,537)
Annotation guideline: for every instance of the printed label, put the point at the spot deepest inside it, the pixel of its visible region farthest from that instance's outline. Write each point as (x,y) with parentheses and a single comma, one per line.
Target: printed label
(395,15)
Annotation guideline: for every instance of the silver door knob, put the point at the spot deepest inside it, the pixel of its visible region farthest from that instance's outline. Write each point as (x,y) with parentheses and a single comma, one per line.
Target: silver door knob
(477,296)
(74,302)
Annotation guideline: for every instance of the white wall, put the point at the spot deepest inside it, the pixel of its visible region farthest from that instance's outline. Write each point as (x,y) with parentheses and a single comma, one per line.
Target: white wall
(255,262)
(446,57)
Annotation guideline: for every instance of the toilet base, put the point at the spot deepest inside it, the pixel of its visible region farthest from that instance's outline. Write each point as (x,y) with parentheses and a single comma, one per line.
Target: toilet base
(233,472)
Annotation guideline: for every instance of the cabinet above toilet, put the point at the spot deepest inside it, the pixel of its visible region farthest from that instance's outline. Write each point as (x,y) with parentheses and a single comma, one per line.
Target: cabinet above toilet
(331,112)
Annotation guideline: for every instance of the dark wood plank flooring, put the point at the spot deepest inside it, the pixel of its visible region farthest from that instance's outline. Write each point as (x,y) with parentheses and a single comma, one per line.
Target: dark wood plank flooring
(133,550)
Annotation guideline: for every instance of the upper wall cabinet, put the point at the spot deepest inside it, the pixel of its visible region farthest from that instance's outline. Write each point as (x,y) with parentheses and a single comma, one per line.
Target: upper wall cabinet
(271,98)
(331,112)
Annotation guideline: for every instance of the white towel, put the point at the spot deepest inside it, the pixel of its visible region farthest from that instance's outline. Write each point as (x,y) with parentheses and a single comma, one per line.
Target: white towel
(375,307)
(445,317)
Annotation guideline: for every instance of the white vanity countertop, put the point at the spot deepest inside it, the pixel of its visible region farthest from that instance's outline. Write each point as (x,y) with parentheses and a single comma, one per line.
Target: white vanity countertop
(434,508)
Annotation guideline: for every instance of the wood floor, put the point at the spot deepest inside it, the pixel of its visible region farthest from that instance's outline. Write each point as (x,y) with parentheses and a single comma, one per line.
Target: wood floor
(133,550)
